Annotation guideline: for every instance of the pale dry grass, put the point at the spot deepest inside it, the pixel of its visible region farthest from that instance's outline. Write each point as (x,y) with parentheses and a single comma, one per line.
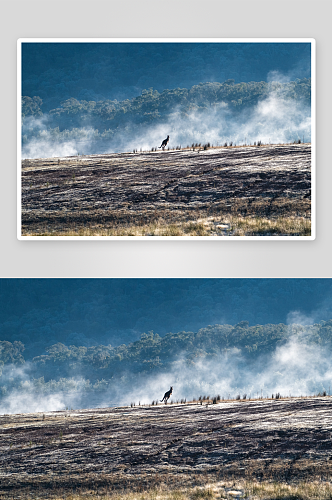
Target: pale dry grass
(228,225)
(229,490)
(256,226)
(304,490)
(173,201)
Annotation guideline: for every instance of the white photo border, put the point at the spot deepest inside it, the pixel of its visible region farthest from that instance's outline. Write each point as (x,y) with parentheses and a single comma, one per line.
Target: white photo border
(312,41)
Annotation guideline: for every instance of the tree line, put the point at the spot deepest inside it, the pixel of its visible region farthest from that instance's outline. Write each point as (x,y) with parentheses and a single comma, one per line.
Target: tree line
(152,106)
(155,353)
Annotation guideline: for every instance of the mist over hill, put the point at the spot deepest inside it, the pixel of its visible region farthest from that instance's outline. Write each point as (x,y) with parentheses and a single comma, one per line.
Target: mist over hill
(221,360)
(95,98)
(81,342)
(215,113)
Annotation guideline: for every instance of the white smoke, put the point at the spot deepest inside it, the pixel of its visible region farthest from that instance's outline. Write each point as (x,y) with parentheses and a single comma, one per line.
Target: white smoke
(273,119)
(21,393)
(298,367)
(41,141)
(22,402)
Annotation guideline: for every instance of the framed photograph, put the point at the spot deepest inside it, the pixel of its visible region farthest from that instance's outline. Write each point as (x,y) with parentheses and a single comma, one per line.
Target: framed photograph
(165,388)
(166,139)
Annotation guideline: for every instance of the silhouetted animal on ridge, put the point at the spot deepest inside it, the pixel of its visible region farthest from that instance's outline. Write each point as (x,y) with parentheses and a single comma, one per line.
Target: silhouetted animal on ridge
(164,143)
(167,396)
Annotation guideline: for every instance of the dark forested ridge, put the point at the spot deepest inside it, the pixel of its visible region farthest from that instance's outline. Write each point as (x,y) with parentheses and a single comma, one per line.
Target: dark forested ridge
(103,366)
(107,118)
(152,105)
(153,351)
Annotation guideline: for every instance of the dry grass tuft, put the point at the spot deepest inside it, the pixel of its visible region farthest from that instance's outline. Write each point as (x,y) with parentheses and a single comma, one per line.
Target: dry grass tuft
(236,490)
(302,491)
(281,226)
(167,194)
(227,225)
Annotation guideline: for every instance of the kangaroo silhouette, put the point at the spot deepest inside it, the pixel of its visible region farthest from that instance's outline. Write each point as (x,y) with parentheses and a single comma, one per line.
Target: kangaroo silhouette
(167,396)
(164,143)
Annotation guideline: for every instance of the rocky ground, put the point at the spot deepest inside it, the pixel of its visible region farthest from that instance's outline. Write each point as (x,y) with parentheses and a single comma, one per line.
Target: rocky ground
(179,444)
(119,190)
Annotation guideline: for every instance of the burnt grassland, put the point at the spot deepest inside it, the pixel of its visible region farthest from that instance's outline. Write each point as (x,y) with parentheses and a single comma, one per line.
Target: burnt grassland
(194,450)
(226,191)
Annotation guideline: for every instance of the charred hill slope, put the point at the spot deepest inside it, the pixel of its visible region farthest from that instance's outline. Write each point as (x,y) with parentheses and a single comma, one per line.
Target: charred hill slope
(128,447)
(138,188)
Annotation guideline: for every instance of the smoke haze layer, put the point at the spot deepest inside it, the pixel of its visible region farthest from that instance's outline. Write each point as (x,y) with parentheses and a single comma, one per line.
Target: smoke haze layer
(297,366)
(80,127)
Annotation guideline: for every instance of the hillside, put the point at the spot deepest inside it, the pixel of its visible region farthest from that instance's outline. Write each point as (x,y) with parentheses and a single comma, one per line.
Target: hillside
(196,192)
(146,447)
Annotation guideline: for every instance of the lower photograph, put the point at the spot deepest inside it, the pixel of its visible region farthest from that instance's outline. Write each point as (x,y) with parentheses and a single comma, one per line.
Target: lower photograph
(168,389)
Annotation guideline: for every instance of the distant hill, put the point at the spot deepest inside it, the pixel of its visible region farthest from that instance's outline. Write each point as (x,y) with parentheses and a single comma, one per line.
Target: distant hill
(153,353)
(152,106)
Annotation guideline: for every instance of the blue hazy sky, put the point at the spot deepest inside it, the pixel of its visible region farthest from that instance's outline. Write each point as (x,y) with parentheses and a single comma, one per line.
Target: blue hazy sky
(98,71)
(41,312)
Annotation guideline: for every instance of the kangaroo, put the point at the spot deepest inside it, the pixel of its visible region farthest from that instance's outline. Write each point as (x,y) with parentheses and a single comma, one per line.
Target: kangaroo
(164,143)
(167,396)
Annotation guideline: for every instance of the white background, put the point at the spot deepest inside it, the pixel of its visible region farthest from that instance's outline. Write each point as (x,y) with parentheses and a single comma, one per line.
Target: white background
(177,19)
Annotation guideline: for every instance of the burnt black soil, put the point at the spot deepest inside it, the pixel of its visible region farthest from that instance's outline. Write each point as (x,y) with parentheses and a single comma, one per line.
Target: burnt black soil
(179,444)
(118,190)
